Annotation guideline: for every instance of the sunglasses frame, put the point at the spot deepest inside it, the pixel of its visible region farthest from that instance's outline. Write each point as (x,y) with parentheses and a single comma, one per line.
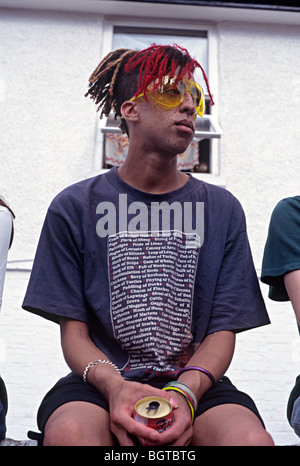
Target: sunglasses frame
(188,86)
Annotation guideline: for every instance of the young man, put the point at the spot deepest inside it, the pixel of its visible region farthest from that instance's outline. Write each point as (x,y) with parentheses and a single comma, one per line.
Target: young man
(149,274)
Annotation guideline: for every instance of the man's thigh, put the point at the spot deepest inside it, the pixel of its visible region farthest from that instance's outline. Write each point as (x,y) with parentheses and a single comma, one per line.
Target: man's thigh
(78,423)
(230,425)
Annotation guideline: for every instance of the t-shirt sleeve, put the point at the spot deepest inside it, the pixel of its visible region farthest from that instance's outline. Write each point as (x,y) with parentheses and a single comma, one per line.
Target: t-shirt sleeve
(56,283)
(282,248)
(238,304)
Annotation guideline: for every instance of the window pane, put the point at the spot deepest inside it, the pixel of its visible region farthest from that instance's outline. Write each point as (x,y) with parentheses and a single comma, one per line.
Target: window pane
(140,38)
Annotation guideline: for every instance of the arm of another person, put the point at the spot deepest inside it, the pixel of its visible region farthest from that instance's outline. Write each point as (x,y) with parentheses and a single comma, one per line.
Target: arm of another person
(292,285)
(5,235)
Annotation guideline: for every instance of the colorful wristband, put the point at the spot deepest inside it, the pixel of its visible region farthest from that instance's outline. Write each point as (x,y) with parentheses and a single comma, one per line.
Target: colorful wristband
(175,389)
(186,390)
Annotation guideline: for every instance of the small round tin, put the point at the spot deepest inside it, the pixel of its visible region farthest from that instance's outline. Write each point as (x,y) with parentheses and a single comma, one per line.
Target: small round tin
(155,412)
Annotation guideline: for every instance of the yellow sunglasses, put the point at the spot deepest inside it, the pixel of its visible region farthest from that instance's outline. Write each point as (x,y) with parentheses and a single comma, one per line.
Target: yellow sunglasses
(171,93)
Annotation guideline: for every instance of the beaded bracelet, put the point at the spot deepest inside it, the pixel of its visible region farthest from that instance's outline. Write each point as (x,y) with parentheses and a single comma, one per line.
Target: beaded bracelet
(196,368)
(99,361)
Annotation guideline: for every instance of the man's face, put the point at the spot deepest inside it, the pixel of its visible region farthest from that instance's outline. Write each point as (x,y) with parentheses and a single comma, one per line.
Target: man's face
(165,129)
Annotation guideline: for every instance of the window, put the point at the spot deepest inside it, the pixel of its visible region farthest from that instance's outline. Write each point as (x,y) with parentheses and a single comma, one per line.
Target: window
(202,155)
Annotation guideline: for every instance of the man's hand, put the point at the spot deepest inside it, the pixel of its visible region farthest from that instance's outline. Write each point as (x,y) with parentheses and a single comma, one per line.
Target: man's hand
(122,399)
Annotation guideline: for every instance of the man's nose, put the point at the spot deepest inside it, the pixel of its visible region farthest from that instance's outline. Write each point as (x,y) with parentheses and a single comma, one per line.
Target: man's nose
(188,103)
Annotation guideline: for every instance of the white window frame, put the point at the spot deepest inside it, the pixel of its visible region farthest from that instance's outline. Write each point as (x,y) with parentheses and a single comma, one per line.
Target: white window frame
(215,134)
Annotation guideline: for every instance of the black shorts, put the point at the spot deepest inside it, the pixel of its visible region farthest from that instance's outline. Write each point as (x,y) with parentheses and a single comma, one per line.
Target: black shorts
(73,388)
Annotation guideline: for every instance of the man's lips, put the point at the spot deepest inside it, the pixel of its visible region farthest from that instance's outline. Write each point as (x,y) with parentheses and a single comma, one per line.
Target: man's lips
(186,125)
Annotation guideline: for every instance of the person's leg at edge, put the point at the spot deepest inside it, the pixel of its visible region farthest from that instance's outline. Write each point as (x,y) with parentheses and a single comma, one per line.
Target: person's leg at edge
(230,425)
(78,423)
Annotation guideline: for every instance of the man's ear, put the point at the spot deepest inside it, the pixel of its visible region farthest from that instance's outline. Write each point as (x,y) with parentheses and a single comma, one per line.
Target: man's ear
(130,111)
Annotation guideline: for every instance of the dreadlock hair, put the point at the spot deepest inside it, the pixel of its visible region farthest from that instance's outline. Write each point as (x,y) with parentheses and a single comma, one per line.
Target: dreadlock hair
(125,73)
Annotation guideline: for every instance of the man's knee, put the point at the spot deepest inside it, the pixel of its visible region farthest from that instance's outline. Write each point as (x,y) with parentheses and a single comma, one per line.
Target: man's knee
(64,432)
(78,424)
(258,438)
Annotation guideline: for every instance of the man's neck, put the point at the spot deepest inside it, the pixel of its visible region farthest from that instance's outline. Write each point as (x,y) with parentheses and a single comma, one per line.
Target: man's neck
(153,174)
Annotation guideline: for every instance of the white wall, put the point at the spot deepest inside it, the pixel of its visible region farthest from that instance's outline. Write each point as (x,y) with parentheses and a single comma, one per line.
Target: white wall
(259,93)
(47,125)
(47,142)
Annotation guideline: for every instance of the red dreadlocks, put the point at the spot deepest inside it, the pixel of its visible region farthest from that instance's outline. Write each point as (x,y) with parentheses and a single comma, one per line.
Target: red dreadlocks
(154,64)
